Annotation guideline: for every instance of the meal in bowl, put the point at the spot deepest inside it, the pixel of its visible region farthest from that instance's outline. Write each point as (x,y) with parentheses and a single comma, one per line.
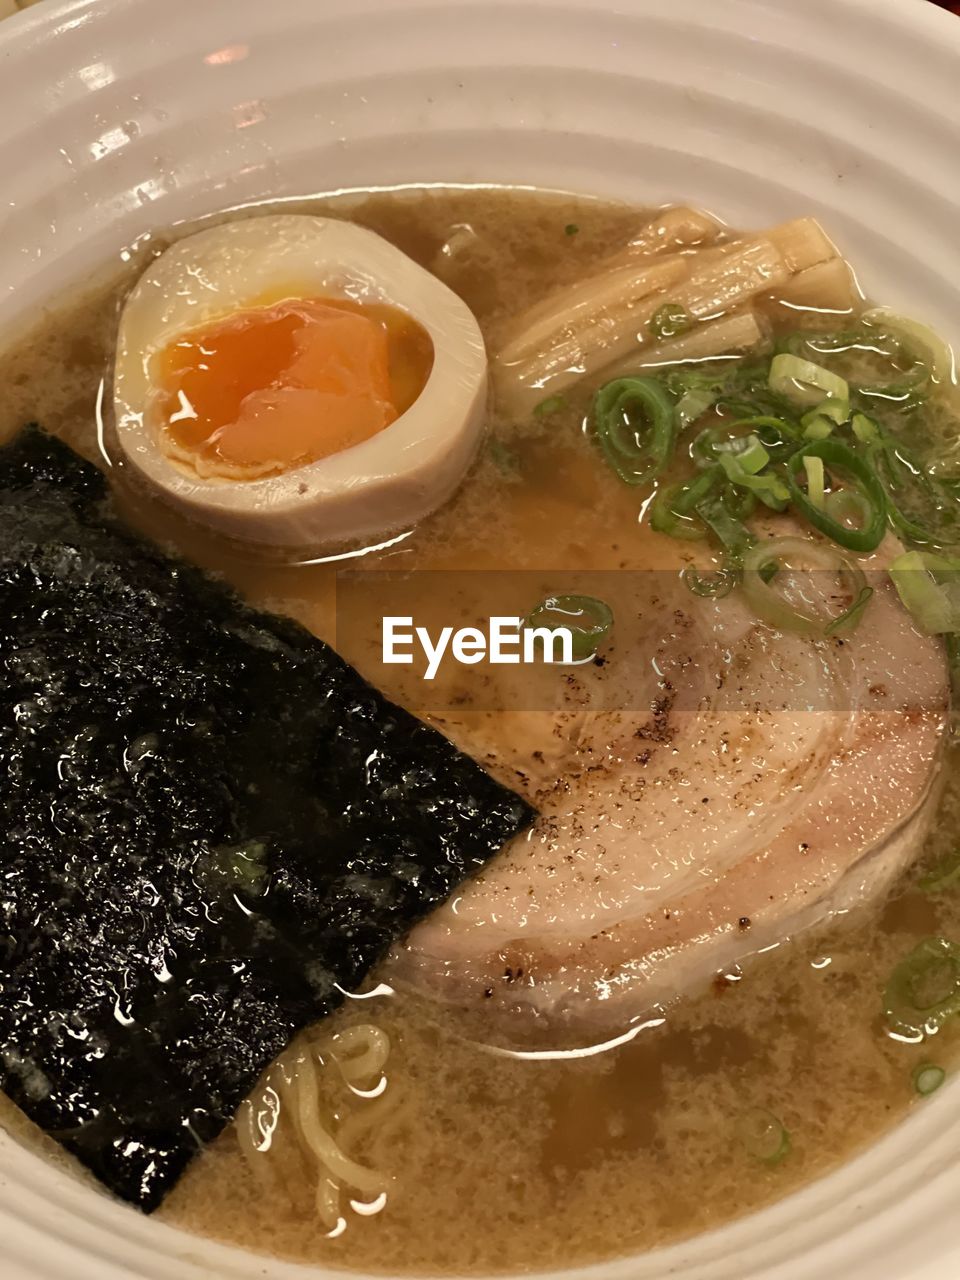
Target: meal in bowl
(482,966)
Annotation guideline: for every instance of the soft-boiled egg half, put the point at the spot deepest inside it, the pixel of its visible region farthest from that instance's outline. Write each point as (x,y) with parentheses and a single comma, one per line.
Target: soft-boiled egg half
(298,380)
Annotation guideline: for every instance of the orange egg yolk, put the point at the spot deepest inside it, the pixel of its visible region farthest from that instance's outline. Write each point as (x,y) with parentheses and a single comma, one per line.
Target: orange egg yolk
(280,386)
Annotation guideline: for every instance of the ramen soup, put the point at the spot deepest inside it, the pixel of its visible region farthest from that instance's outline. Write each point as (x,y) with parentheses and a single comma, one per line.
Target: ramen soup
(648,934)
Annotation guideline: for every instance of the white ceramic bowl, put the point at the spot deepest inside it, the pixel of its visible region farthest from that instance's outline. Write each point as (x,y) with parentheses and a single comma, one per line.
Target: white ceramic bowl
(118,117)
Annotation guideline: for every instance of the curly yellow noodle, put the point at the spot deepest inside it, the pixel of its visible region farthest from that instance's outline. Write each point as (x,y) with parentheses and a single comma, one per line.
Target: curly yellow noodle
(361,1053)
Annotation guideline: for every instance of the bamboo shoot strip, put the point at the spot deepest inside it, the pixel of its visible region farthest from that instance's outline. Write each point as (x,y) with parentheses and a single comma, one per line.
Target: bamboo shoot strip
(741,331)
(802,243)
(560,315)
(723,284)
(626,271)
(213,825)
(727,284)
(829,286)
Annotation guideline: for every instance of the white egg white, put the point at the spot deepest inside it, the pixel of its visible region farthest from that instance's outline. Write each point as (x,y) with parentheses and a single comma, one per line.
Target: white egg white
(384,484)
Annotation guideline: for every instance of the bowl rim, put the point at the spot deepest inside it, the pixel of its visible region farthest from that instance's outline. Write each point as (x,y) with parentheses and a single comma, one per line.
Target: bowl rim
(911,1198)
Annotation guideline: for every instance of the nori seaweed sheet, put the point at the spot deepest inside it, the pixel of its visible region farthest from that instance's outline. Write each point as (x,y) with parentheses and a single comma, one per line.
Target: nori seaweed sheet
(213,827)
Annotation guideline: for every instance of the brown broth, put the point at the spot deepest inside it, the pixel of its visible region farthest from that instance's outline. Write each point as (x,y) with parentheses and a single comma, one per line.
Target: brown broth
(498,1163)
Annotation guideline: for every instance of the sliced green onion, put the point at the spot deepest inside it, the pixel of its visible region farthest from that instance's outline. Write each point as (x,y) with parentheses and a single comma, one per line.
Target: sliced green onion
(763,586)
(685,378)
(588,620)
(669,322)
(836,411)
(865,429)
(816,486)
(691,494)
(820,422)
(777,436)
(929,586)
(920,508)
(693,405)
(728,528)
(760,402)
(848,507)
(751,456)
(906,395)
(714,443)
(764,1136)
(927,1078)
(570,229)
(818,429)
(821,344)
(705,448)
(769,488)
(906,391)
(804,383)
(919,340)
(739,502)
(552,404)
(944,469)
(637,453)
(663,519)
(688,496)
(924,988)
(945,875)
(749,377)
(850,620)
(772,432)
(836,455)
(674,509)
(697,388)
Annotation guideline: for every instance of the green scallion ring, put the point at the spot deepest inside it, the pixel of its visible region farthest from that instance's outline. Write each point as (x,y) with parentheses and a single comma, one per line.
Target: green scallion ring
(764,1136)
(726,525)
(638,454)
(927,1078)
(770,605)
(664,518)
(775,434)
(926,347)
(841,457)
(848,505)
(924,989)
(693,404)
(768,487)
(673,510)
(897,469)
(588,620)
(929,588)
(804,383)
(669,321)
(850,620)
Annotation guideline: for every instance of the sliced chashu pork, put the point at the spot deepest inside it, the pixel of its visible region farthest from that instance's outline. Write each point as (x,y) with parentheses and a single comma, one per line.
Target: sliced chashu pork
(703,795)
